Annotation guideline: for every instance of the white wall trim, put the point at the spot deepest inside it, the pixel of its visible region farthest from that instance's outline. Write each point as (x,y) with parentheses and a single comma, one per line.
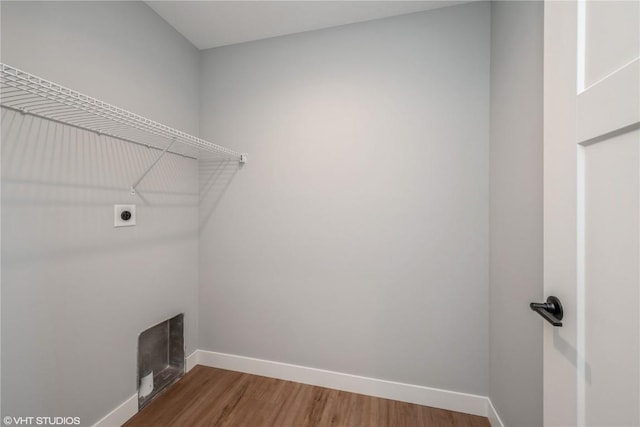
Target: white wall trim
(438,398)
(121,414)
(129,407)
(492,414)
(192,360)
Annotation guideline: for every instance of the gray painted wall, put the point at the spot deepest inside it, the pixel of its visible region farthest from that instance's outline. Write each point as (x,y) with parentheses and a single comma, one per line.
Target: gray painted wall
(356,238)
(516,211)
(75,291)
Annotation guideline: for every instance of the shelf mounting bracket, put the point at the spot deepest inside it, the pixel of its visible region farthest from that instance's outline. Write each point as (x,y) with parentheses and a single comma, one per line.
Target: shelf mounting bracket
(132,189)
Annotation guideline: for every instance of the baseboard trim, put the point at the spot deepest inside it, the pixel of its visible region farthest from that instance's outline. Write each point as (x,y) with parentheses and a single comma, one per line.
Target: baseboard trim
(192,360)
(121,414)
(129,407)
(492,414)
(421,395)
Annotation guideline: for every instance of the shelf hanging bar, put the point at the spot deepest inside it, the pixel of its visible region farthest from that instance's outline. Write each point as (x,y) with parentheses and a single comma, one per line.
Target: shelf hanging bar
(160,156)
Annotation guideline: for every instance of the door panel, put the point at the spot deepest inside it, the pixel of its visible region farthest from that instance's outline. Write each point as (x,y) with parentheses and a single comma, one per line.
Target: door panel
(612,298)
(607,106)
(603,57)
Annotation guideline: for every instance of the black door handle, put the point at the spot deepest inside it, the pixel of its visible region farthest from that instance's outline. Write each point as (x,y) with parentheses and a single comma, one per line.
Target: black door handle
(551,310)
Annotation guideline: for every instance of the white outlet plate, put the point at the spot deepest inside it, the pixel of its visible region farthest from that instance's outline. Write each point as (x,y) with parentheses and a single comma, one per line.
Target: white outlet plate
(117,215)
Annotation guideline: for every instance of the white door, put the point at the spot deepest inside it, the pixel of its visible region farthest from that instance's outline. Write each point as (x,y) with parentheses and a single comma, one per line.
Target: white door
(592,212)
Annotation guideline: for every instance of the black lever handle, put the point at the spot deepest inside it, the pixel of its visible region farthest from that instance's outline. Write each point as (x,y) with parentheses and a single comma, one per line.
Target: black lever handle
(551,310)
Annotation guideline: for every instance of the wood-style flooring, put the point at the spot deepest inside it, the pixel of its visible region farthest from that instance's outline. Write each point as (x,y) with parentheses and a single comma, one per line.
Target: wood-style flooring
(215,397)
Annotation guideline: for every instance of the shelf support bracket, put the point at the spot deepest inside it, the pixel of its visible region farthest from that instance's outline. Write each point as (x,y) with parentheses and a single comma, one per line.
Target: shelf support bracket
(132,190)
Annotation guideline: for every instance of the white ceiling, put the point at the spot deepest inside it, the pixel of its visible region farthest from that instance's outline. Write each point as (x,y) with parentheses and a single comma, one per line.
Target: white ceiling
(209,24)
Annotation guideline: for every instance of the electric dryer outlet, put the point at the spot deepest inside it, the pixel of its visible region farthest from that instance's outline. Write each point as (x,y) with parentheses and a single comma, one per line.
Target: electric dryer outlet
(124,215)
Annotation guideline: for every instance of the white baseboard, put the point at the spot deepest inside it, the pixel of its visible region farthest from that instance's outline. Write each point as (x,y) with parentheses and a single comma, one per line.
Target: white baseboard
(121,414)
(492,414)
(192,360)
(438,398)
(129,407)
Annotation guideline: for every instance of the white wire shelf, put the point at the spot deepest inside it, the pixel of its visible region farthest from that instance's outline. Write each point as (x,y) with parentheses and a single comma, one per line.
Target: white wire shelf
(33,95)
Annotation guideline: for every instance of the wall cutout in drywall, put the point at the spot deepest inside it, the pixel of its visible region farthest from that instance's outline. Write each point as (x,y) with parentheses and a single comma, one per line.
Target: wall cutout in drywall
(124,215)
(161,360)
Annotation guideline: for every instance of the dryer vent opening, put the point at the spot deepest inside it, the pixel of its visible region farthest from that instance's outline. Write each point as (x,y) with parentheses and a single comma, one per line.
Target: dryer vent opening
(161,359)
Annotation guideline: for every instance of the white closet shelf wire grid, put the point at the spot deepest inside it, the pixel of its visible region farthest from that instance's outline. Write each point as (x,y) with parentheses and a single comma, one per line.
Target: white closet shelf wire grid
(29,94)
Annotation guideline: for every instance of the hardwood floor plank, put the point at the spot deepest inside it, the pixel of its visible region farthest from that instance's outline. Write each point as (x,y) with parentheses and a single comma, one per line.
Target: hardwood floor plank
(208,397)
